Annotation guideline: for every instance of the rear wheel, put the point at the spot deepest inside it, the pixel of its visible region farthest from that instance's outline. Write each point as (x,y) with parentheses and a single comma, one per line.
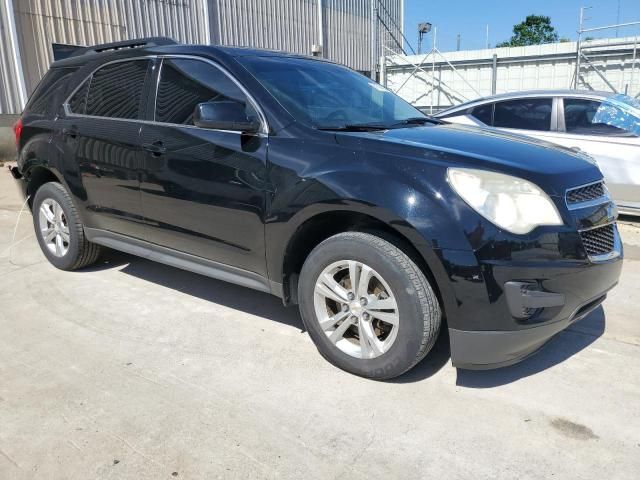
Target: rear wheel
(59,230)
(367,306)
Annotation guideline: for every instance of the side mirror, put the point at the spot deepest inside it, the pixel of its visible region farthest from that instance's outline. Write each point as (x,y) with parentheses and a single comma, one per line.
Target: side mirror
(224,115)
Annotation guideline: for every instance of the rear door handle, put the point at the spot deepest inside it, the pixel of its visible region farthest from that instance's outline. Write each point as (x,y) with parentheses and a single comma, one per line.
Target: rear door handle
(155,148)
(71,132)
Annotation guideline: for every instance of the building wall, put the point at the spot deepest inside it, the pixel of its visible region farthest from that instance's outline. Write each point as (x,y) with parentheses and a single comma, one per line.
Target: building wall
(289,25)
(294,26)
(12,90)
(39,23)
(518,68)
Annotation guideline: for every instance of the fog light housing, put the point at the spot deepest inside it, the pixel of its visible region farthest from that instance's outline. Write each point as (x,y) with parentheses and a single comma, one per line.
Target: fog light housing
(526,299)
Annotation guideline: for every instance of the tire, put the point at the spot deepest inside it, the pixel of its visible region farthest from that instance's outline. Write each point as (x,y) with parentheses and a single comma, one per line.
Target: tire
(75,250)
(383,350)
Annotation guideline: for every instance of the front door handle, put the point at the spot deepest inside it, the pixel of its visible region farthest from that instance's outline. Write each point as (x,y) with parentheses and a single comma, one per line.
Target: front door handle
(71,132)
(155,148)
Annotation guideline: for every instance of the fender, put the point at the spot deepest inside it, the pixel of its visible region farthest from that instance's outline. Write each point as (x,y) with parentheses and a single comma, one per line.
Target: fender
(404,209)
(34,166)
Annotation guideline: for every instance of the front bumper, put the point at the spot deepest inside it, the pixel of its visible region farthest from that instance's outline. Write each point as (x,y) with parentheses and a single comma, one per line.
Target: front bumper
(563,295)
(509,294)
(484,350)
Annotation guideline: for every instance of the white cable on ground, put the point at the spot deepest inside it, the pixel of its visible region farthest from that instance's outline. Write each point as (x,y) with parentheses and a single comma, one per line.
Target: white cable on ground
(15,231)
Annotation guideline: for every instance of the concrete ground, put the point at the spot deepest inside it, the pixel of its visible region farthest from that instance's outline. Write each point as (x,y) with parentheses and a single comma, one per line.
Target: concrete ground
(135,370)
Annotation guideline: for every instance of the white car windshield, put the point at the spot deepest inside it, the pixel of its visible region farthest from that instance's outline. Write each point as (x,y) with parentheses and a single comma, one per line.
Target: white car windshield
(621,112)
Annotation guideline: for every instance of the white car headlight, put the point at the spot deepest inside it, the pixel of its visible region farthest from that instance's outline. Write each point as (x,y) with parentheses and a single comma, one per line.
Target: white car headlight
(509,202)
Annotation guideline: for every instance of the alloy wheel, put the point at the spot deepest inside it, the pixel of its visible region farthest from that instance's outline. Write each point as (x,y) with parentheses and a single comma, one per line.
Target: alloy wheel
(356,309)
(54,227)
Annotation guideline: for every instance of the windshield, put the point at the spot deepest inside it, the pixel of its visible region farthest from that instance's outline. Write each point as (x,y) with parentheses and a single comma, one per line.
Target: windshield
(621,112)
(325,95)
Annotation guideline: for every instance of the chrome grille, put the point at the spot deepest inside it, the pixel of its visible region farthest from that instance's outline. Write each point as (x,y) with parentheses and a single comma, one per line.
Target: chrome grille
(598,241)
(586,193)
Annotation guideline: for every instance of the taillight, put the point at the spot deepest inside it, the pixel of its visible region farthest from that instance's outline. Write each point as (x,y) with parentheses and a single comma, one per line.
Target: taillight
(17,130)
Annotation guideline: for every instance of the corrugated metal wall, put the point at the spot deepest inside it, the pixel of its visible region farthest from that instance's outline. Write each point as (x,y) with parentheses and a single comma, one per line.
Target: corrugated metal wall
(12,91)
(348,27)
(293,26)
(289,25)
(82,22)
(518,68)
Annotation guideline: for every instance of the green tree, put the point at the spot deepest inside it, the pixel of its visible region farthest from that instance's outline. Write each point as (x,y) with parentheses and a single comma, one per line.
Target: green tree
(535,29)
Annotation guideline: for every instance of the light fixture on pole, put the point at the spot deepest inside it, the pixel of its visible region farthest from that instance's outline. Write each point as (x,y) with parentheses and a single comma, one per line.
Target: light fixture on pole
(423,29)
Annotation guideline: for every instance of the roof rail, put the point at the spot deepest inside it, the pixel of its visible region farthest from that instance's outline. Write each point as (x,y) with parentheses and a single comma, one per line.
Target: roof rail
(114,46)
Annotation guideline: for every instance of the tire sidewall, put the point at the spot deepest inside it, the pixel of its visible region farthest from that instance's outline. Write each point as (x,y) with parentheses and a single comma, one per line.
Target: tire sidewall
(404,350)
(54,191)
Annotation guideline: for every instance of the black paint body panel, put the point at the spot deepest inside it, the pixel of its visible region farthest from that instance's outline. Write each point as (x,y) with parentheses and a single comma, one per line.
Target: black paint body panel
(238,200)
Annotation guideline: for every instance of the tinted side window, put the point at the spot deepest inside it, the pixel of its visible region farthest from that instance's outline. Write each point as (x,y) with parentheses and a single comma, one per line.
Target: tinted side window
(116,90)
(592,117)
(484,113)
(78,102)
(525,114)
(53,83)
(185,83)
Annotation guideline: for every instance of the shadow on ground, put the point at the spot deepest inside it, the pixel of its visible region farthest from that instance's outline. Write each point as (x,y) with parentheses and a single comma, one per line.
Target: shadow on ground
(564,345)
(222,293)
(561,347)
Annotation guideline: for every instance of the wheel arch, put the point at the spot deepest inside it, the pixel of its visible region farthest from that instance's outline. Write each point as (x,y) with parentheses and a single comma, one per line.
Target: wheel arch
(37,176)
(35,168)
(325,223)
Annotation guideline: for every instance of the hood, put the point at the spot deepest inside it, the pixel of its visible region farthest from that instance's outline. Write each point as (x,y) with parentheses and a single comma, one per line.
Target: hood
(451,144)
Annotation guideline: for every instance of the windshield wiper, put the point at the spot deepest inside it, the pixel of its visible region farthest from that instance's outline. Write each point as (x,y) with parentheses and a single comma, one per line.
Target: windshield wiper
(355,127)
(418,121)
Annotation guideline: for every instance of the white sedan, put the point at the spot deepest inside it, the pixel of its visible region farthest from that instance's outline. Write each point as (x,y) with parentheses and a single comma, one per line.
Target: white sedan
(606,126)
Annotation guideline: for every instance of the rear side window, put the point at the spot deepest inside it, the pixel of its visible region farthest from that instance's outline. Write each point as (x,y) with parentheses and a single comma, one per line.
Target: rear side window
(524,114)
(186,83)
(484,113)
(114,91)
(78,102)
(54,84)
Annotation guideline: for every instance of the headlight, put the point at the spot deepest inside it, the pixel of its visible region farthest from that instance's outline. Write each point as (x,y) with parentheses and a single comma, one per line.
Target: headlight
(509,202)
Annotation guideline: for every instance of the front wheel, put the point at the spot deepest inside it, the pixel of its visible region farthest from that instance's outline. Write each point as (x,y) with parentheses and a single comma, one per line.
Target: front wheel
(367,306)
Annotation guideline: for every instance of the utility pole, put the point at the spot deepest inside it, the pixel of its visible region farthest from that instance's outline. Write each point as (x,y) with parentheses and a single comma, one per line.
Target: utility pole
(458,44)
(578,49)
(433,67)
(487,36)
(321,53)
(618,18)
(374,38)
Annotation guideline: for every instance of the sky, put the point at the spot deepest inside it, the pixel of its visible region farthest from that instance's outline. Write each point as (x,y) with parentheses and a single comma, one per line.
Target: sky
(469,18)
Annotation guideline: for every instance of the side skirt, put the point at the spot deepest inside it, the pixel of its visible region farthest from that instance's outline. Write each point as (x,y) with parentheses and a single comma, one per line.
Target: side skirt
(185,261)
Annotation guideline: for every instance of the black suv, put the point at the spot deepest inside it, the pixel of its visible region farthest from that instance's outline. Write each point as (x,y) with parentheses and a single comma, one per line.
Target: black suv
(302,178)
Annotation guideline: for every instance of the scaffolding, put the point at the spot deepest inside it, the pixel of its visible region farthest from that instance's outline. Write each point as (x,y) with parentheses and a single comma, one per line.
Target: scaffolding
(590,54)
(436,80)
